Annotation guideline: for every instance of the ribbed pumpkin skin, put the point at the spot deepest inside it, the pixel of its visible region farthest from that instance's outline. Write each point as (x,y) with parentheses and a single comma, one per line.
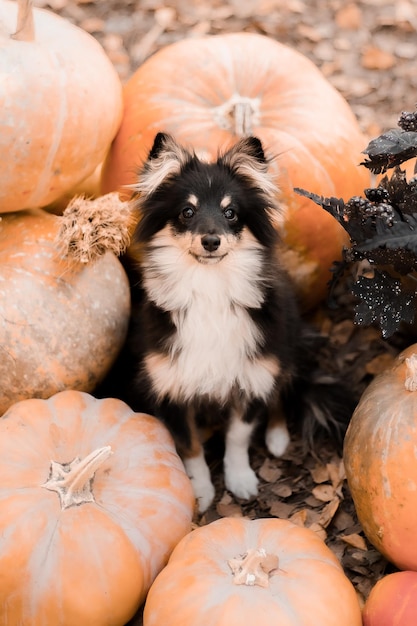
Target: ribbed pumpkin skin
(392,601)
(196,587)
(60,107)
(381,464)
(89,564)
(188,89)
(61,325)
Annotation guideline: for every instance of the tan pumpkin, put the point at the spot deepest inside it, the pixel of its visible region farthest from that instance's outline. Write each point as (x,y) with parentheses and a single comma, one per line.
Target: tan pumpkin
(210,91)
(60,105)
(93,498)
(381,462)
(238,572)
(62,323)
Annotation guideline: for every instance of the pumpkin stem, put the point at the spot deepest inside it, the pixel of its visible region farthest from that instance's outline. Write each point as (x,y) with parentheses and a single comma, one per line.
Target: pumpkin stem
(411,373)
(253,568)
(239,115)
(90,228)
(73,481)
(25,29)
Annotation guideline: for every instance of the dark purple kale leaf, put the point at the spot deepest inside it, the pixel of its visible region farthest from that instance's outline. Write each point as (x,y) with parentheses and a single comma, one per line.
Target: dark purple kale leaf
(382,228)
(383,300)
(390,149)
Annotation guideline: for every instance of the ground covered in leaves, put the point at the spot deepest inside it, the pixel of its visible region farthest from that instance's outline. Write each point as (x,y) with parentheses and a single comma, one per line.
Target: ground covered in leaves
(367,50)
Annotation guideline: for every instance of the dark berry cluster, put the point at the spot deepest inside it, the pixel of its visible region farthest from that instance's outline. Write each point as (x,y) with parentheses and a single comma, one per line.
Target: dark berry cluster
(376,194)
(365,208)
(408,121)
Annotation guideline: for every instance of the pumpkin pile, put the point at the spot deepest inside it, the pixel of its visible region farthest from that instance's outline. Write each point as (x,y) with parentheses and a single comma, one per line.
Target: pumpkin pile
(93,496)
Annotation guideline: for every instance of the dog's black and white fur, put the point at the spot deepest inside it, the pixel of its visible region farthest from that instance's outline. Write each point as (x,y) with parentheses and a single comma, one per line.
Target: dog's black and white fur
(215,327)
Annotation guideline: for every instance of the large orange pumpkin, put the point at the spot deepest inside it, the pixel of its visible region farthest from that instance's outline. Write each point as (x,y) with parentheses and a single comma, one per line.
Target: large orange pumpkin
(381,462)
(210,91)
(236,572)
(93,498)
(60,105)
(62,323)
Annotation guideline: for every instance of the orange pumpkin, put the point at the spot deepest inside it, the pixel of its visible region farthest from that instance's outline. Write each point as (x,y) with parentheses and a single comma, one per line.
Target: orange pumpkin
(60,106)
(381,462)
(62,324)
(392,601)
(237,571)
(210,91)
(93,498)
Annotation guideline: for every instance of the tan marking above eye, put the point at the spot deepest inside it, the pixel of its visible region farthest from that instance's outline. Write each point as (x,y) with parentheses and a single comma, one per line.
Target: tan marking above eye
(225,201)
(193,200)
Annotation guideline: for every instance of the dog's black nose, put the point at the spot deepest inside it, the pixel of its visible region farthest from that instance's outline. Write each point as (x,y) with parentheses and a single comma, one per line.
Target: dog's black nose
(210,242)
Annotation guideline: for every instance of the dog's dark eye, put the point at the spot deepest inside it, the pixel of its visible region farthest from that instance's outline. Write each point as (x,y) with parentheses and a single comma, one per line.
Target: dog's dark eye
(230,214)
(188,212)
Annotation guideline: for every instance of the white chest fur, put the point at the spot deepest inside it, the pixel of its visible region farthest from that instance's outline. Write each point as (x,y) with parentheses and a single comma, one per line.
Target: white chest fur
(214,349)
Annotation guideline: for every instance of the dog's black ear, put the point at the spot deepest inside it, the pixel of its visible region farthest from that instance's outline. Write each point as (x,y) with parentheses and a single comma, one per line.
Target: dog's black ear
(247,159)
(160,142)
(253,147)
(250,147)
(165,160)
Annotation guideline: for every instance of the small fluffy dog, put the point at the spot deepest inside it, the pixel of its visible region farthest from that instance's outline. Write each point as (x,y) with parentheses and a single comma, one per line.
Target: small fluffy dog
(216,332)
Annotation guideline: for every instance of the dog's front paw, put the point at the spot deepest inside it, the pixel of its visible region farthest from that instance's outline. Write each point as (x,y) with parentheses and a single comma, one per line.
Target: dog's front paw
(277,439)
(204,494)
(243,483)
(199,475)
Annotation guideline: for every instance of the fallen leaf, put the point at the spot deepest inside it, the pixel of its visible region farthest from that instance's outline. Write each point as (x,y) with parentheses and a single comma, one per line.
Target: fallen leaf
(283,490)
(308,32)
(320,473)
(269,471)
(93,25)
(354,540)
(229,510)
(342,520)
(319,530)
(329,512)
(324,493)
(379,363)
(337,474)
(374,58)
(313,502)
(280,509)
(349,16)
(299,517)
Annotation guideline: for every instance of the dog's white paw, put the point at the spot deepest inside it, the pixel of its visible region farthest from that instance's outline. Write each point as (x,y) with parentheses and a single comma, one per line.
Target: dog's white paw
(242,482)
(277,439)
(204,494)
(199,475)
